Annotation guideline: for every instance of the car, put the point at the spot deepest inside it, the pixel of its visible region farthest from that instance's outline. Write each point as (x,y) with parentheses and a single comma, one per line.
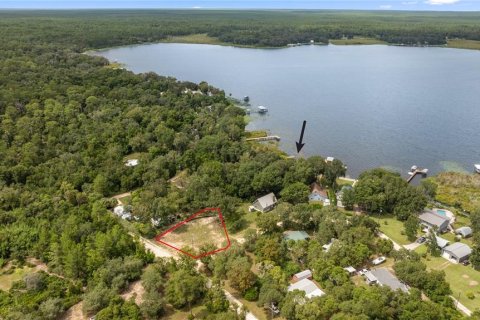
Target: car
(421,240)
(362,272)
(378,261)
(466,262)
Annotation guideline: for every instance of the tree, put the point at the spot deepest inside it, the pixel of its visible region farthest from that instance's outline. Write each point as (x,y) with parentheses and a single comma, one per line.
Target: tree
(433,247)
(240,275)
(411,227)
(215,299)
(348,198)
(295,193)
(184,288)
(289,304)
(268,222)
(153,305)
(52,308)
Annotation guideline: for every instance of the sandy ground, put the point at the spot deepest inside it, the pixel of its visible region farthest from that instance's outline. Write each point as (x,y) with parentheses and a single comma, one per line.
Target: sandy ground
(134,289)
(197,233)
(119,196)
(74,313)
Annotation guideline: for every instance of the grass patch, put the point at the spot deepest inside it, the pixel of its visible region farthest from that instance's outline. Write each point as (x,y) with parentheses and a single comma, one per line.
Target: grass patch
(345,182)
(462,279)
(464,44)
(356,41)
(115,65)
(255,134)
(126,200)
(198,311)
(7,279)
(201,38)
(393,228)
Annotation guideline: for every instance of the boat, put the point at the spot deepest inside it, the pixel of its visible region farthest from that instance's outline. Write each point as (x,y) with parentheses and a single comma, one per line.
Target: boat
(262,109)
(413,168)
(477,168)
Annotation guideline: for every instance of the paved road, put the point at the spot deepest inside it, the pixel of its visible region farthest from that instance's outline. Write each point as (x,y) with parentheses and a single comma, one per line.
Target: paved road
(232,299)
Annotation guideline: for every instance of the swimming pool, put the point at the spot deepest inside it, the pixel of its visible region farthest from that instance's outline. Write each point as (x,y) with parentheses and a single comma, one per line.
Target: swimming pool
(442,212)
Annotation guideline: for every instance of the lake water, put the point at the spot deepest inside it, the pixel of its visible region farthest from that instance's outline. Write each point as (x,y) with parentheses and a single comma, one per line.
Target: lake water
(369,106)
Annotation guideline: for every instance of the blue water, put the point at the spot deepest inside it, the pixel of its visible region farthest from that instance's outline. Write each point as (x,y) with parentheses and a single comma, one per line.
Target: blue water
(441,212)
(369,106)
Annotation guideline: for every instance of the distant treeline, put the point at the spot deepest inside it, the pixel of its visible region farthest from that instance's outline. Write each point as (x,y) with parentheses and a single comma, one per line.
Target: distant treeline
(255,28)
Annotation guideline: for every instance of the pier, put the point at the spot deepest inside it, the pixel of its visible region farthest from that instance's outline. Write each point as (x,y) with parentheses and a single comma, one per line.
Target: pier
(414,171)
(266,138)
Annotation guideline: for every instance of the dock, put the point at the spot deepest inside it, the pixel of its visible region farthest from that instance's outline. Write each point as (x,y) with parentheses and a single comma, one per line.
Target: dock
(414,171)
(266,138)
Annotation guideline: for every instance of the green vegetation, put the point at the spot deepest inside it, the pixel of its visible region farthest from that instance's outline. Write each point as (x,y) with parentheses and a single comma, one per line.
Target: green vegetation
(256,134)
(68,123)
(193,38)
(356,41)
(393,228)
(459,190)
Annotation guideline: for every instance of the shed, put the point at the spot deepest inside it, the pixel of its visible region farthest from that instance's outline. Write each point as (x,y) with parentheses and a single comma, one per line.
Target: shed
(309,287)
(265,203)
(132,163)
(432,219)
(457,252)
(464,231)
(305,274)
(441,243)
(351,270)
(296,235)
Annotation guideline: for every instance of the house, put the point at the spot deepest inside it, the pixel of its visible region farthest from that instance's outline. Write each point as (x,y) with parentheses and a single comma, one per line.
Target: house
(326,247)
(457,252)
(132,163)
(309,287)
(442,243)
(305,274)
(265,203)
(318,194)
(351,270)
(431,219)
(464,231)
(295,235)
(122,212)
(383,277)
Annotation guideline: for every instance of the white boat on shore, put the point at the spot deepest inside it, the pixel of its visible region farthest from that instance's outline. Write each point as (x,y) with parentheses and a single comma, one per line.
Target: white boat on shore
(262,109)
(477,168)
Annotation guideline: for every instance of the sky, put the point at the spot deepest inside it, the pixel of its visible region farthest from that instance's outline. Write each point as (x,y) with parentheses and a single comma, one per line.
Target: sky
(437,5)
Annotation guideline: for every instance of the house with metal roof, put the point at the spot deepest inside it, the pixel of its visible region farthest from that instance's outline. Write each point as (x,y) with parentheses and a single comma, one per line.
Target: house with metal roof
(305,274)
(442,243)
(383,277)
(431,219)
(317,193)
(265,203)
(295,235)
(464,231)
(309,287)
(457,252)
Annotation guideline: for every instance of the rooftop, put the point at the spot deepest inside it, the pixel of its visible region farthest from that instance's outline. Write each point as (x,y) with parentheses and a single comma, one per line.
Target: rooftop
(458,249)
(432,218)
(295,235)
(303,274)
(267,200)
(307,286)
(386,278)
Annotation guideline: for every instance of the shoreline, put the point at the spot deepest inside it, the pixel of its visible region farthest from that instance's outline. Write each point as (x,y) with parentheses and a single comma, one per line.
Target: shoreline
(203,39)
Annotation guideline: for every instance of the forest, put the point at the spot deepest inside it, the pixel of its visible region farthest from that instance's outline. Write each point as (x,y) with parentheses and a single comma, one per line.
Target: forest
(69,120)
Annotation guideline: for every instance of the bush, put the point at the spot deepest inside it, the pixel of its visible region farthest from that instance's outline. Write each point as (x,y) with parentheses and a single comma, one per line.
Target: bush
(251,294)
(470,295)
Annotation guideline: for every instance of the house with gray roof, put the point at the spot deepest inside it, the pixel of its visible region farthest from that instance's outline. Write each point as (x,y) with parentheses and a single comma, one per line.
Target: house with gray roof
(442,243)
(464,231)
(457,252)
(383,277)
(305,274)
(431,219)
(309,287)
(265,203)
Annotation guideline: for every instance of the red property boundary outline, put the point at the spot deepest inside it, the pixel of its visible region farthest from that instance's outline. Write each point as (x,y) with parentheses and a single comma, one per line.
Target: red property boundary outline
(178,225)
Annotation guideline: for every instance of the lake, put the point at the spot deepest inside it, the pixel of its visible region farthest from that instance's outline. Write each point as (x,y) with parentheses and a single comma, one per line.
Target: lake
(370,106)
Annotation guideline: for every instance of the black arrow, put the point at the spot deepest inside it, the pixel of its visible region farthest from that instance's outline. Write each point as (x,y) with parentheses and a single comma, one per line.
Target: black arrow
(300,144)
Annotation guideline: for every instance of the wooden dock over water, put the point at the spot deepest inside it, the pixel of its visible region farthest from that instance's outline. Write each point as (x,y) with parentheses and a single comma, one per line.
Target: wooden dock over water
(414,171)
(266,138)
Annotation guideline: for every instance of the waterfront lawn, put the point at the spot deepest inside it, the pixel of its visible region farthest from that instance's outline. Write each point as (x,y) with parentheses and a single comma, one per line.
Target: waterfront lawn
(201,38)
(255,134)
(345,181)
(463,44)
(462,280)
(356,41)
(393,228)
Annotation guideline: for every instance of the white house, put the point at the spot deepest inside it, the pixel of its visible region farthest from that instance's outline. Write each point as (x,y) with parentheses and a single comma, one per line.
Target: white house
(309,287)
(265,203)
